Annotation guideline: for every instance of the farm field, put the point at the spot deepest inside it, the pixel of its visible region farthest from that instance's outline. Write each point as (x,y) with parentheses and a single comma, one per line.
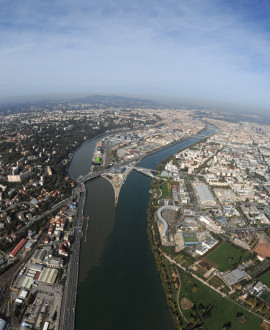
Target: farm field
(226,256)
(222,310)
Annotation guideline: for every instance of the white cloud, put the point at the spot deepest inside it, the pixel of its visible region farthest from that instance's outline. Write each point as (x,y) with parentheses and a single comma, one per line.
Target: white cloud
(183,48)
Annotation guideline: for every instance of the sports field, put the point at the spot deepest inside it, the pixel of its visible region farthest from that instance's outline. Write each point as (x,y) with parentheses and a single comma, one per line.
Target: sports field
(226,257)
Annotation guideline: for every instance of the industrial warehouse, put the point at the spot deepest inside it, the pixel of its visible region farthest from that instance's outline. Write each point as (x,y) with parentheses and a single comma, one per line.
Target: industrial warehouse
(18,248)
(204,195)
(48,276)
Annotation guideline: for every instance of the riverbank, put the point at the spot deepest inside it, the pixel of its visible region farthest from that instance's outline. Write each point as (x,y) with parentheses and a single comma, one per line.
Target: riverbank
(86,142)
(167,272)
(172,144)
(117,270)
(135,161)
(192,299)
(69,295)
(117,180)
(105,133)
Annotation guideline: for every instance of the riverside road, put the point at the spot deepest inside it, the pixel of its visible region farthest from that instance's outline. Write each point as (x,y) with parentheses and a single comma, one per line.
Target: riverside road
(67,318)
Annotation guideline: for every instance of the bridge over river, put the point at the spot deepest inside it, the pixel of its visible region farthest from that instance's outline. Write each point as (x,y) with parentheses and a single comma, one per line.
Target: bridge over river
(115,176)
(92,175)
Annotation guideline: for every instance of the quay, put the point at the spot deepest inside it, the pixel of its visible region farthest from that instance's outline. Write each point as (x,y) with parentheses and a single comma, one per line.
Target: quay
(68,306)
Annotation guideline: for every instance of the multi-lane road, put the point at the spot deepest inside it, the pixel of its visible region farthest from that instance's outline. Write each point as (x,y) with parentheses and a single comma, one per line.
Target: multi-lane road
(68,307)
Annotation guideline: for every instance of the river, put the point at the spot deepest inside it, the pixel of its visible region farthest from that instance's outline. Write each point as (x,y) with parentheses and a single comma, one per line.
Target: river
(119,286)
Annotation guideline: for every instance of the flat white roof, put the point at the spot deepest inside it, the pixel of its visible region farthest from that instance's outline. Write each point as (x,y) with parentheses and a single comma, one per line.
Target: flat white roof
(27,282)
(204,194)
(48,275)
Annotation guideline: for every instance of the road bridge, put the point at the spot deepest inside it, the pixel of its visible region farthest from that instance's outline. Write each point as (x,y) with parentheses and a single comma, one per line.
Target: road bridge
(146,171)
(201,136)
(92,175)
(89,176)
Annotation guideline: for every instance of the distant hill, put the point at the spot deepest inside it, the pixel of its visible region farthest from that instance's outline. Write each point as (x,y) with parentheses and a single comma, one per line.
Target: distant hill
(115,100)
(23,104)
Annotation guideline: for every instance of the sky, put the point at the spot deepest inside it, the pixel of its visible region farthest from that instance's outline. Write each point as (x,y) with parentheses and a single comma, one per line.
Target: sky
(175,49)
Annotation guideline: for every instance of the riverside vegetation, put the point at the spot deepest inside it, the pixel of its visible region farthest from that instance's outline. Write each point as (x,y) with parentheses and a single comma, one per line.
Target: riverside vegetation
(191,303)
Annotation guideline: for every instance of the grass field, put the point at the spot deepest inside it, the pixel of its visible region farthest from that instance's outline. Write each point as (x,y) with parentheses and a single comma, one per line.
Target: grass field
(226,256)
(265,278)
(265,296)
(223,310)
(165,190)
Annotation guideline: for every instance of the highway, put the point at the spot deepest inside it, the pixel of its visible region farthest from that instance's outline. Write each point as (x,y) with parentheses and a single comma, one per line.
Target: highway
(68,306)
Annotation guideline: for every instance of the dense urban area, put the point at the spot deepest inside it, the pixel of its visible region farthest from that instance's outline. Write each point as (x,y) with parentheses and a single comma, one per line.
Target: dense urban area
(208,221)
(208,215)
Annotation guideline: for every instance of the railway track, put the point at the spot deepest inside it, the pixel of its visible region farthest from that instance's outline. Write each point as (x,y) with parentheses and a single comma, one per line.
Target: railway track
(8,278)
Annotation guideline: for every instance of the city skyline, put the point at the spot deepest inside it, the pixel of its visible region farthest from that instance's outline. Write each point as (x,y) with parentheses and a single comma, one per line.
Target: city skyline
(160,50)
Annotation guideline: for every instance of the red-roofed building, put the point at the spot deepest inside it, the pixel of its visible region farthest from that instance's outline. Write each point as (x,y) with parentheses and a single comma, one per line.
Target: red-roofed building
(18,248)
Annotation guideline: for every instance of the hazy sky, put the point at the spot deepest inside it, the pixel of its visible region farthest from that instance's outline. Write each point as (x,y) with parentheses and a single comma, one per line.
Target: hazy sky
(210,49)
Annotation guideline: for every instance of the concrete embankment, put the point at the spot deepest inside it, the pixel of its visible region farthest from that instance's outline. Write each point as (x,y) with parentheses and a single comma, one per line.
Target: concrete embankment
(117,180)
(67,317)
(85,142)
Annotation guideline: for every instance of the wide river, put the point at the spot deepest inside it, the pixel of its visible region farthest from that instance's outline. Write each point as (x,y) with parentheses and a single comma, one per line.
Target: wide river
(119,286)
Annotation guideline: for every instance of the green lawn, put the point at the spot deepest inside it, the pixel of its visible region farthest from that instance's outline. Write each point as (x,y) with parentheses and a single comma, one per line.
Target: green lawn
(265,278)
(223,310)
(226,256)
(265,296)
(165,191)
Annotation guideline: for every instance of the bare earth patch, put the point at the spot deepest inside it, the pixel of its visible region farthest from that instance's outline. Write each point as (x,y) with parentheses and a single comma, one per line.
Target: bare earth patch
(263,248)
(186,304)
(265,325)
(208,264)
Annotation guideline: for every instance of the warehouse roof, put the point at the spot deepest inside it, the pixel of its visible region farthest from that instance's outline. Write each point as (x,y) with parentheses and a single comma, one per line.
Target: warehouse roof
(205,195)
(48,275)
(234,276)
(36,267)
(27,282)
(39,255)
